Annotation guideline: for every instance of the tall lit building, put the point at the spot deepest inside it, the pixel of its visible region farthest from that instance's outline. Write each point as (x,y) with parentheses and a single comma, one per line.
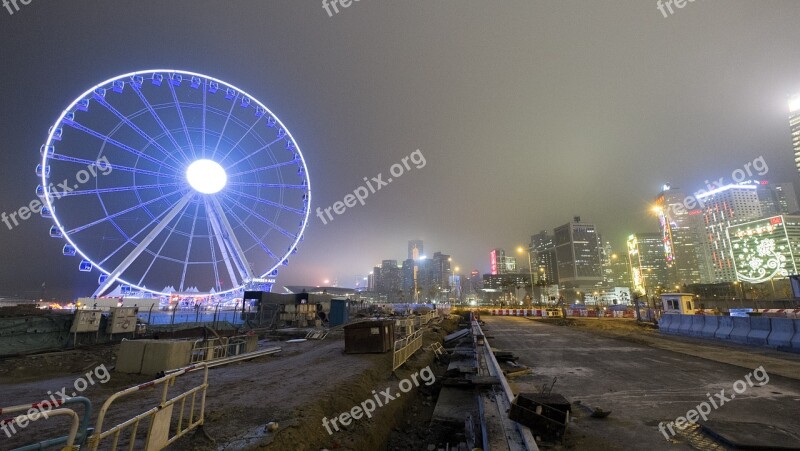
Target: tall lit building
(680,237)
(415,249)
(543,257)
(577,247)
(794,124)
(648,267)
(722,208)
(786,198)
(500,263)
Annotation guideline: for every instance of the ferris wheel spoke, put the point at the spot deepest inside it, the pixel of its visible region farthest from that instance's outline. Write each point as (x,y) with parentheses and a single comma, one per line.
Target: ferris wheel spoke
(242,138)
(225,126)
(183,121)
(116,143)
(83,161)
(203,142)
(234,247)
(173,212)
(189,246)
(120,213)
(268,185)
(266,168)
(130,240)
(115,189)
(158,120)
(270,203)
(263,219)
(254,153)
(215,225)
(213,255)
(134,127)
(157,254)
(254,237)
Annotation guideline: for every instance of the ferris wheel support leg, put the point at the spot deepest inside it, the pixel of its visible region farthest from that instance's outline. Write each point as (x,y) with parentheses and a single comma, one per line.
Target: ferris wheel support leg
(113,275)
(233,244)
(214,219)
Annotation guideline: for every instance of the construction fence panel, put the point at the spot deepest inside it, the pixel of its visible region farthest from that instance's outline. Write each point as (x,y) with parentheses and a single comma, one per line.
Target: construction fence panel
(162,429)
(405,348)
(36,411)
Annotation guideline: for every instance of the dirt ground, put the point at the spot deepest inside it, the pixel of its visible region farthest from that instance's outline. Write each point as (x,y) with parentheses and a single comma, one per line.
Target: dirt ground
(296,389)
(784,364)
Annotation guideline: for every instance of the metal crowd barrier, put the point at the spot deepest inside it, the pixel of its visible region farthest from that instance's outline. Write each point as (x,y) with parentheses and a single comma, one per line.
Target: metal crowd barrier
(217,348)
(160,432)
(405,348)
(78,428)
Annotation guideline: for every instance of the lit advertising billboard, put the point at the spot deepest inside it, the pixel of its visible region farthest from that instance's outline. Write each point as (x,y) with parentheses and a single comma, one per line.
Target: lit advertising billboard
(761,250)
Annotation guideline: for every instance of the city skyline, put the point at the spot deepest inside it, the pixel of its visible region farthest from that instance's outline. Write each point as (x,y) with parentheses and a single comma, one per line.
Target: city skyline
(508,152)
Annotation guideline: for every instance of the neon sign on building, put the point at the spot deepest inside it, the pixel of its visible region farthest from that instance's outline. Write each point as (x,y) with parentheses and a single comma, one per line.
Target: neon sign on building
(761,250)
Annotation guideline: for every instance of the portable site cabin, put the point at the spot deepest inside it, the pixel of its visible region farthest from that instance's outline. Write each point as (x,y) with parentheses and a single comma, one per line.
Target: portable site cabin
(678,303)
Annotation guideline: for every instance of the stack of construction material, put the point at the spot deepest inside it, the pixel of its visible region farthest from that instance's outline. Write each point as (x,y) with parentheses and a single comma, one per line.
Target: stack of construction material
(300,315)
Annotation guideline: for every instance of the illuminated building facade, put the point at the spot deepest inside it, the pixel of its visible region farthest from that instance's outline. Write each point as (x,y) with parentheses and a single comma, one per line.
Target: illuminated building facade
(543,256)
(648,268)
(680,238)
(721,209)
(794,124)
(577,247)
(499,263)
(765,249)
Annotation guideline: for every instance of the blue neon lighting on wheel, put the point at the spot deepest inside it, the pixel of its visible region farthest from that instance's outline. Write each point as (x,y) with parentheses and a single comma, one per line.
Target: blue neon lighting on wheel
(135,147)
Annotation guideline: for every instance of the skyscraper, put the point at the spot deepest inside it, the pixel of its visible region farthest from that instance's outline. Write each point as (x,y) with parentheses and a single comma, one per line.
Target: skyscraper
(543,256)
(500,263)
(647,264)
(794,124)
(415,249)
(680,237)
(577,254)
(721,208)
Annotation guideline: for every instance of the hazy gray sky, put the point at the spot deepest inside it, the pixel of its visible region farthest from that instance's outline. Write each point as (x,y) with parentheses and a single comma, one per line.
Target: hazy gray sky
(527,112)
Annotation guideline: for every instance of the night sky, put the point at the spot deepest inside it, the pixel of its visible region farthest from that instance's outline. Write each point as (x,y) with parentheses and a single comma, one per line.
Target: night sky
(527,112)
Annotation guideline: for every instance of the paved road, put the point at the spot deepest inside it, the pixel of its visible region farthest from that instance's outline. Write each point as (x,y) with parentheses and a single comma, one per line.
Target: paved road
(642,386)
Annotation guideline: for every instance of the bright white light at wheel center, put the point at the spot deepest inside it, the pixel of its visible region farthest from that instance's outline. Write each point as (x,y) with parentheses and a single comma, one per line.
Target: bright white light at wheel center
(206,176)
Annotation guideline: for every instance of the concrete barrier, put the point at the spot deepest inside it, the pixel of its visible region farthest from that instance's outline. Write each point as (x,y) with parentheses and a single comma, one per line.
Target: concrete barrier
(674,327)
(759,330)
(710,326)
(698,322)
(152,356)
(686,324)
(725,328)
(796,336)
(741,328)
(781,332)
(664,323)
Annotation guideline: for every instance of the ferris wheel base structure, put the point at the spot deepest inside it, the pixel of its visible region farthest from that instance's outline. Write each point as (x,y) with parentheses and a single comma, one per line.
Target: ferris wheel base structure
(192,184)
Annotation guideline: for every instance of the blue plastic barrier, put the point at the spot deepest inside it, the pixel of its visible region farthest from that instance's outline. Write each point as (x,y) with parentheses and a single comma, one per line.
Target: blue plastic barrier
(664,323)
(698,322)
(782,331)
(710,326)
(796,337)
(759,330)
(741,329)
(725,328)
(686,324)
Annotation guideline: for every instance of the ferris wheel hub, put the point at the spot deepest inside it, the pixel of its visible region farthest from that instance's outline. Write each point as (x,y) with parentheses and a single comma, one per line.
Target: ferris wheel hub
(206,176)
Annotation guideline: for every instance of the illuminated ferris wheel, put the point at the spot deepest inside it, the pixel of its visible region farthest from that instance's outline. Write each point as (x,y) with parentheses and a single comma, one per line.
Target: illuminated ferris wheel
(174,179)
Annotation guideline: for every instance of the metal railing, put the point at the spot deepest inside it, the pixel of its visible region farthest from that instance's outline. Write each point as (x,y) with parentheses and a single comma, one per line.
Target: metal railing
(217,348)
(405,348)
(33,412)
(160,432)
